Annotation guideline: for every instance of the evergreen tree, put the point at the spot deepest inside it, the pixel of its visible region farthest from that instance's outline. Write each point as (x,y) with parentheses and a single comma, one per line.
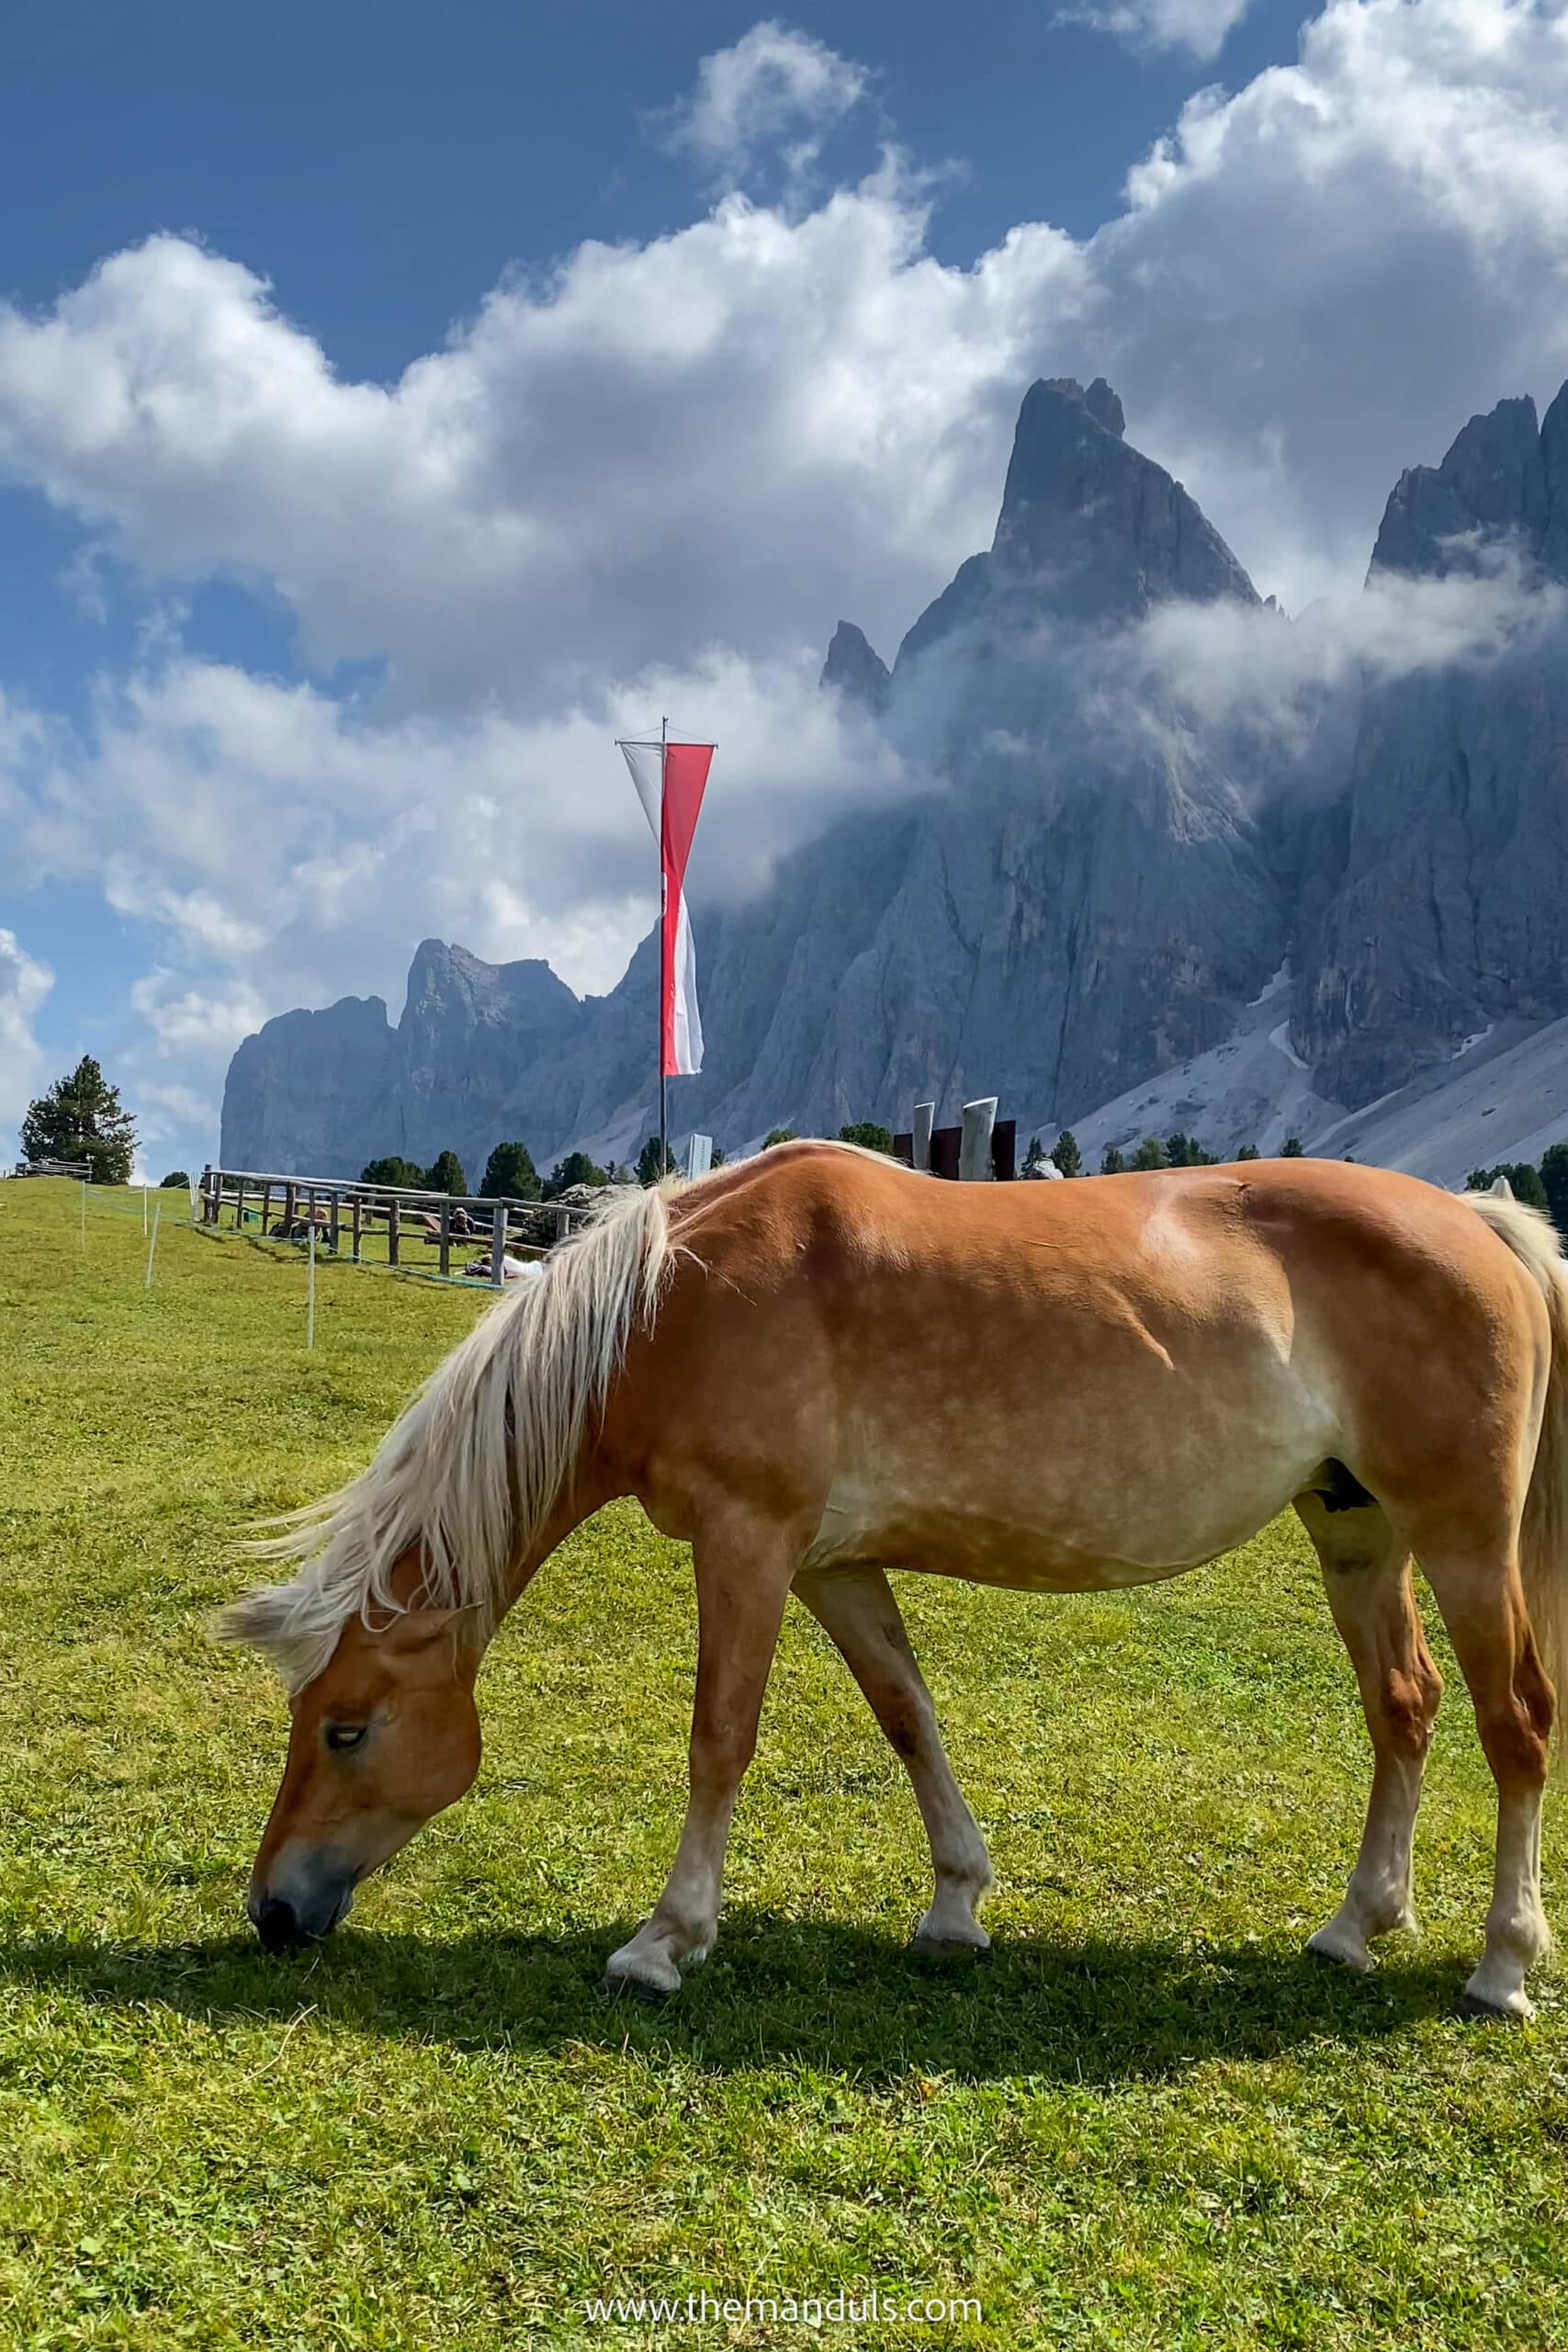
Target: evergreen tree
(447,1176)
(575,1168)
(1150,1153)
(1292,1148)
(82,1118)
(647,1168)
(1249,1151)
(177,1180)
(399,1173)
(1112,1162)
(1034,1157)
(510,1174)
(1065,1154)
(1554,1183)
(1522,1177)
(779,1135)
(869,1134)
(718,1158)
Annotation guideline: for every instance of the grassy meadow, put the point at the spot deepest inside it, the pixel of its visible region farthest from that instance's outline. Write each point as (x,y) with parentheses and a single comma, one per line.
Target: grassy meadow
(1146,2121)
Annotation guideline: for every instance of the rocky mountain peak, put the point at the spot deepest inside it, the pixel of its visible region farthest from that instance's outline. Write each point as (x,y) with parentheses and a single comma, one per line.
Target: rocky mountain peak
(855,668)
(1106,527)
(1503,477)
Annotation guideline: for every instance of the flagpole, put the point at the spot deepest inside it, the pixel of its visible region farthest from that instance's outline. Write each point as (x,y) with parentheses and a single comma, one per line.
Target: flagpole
(663,918)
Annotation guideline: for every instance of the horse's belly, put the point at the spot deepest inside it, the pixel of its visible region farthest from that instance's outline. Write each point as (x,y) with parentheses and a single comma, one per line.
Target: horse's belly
(1131,1532)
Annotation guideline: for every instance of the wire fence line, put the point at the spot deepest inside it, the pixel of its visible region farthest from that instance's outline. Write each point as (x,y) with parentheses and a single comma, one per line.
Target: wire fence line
(97,1203)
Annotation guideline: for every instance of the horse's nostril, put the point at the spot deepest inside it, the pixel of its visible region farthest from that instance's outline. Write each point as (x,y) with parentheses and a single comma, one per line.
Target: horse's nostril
(277,1925)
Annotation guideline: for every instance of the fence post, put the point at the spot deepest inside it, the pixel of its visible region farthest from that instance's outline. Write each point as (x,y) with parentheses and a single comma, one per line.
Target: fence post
(151,1245)
(393,1217)
(84,1212)
(924,1121)
(144,1208)
(334,1219)
(447,1235)
(266,1209)
(975,1150)
(498,1246)
(288,1208)
(310,1291)
(357,1213)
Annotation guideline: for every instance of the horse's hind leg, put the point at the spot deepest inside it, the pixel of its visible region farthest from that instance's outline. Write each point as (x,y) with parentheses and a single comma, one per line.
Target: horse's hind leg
(1483,1608)
(743,1565)
(1365,1572)
(856,1609)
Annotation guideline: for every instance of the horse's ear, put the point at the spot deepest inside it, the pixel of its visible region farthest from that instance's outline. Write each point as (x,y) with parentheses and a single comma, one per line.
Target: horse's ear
(409,1631)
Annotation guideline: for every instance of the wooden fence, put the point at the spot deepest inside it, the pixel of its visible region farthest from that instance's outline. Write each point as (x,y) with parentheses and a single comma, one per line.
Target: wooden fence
(80,1169)
(336,1211)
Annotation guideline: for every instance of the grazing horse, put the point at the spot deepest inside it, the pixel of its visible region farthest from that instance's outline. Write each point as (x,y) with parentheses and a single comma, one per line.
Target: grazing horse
(817,1365)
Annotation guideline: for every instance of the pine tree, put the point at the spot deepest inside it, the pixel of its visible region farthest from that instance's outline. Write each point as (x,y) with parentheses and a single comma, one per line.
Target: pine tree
(1034,1157)
(1065,1154)
(1292,1148)
(1150,1153)
(1554,1184)
(647,1168)
(869,1134)
(575,1168)
(1249,1151)
(446,1176)
(779,1135)
(510,1174)
(1521,1176)
(82,1118)
(1112,1162)
(400,1174)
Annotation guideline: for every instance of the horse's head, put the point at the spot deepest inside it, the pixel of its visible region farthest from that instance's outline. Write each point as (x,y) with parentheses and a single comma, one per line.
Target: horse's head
(383,1737)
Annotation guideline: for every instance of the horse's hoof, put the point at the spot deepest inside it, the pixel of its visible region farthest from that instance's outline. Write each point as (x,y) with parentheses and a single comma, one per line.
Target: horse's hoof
(1474,2006)
(947,1951)
(1328,1955)
(637,1988)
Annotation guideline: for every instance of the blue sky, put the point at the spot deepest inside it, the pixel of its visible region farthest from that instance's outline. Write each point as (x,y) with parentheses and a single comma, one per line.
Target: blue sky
(390,399)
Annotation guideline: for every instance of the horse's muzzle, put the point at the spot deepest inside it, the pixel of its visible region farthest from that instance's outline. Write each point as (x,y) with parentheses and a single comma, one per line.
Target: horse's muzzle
(277,1923)
(284,1922)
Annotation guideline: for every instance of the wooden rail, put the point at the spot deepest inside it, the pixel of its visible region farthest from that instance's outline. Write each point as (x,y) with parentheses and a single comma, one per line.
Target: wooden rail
(81,1169)
(327,1204)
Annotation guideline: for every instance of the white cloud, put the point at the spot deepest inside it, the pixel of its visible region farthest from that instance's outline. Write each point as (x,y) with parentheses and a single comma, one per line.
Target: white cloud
(1197,26)
(654,477)
(24,984)
(1293,689)
(286,848)
(775,84)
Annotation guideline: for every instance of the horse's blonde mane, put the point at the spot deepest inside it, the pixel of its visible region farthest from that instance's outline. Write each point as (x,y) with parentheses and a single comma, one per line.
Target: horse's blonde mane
(470,1470)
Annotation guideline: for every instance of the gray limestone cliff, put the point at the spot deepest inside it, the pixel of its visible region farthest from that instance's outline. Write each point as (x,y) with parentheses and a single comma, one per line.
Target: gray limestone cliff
(1448,910)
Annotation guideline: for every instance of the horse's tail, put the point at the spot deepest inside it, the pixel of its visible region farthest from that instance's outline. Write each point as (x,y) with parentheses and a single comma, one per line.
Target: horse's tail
(471,1470)
(1543,1540)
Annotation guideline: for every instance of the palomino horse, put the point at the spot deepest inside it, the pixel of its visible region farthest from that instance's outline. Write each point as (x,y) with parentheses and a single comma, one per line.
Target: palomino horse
(816,1366)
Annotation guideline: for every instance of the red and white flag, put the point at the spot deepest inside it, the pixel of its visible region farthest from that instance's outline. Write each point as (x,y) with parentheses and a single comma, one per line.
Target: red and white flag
(671,779)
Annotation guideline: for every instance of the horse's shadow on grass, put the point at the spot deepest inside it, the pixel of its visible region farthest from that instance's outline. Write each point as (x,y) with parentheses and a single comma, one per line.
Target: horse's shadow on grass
(784,1993)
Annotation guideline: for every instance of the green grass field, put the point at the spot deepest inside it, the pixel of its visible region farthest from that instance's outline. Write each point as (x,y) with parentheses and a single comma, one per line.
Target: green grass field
(1146,2121)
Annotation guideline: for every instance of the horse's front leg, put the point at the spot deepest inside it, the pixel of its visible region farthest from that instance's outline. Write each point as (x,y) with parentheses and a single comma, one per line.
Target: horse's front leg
(743,1573)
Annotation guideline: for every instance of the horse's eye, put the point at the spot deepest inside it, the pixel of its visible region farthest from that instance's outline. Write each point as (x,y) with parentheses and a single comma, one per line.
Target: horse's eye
(345,1735)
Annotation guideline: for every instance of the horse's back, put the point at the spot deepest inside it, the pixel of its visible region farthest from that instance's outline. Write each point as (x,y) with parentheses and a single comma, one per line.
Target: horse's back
(1070,1384)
